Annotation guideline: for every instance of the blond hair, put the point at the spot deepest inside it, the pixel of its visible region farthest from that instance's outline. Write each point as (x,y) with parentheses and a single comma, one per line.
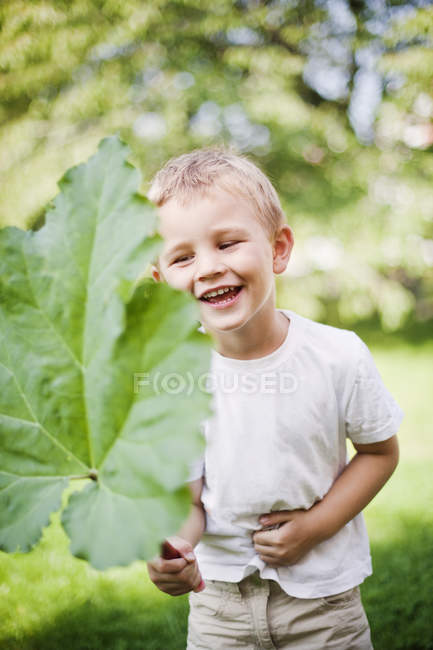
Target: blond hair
(200,171)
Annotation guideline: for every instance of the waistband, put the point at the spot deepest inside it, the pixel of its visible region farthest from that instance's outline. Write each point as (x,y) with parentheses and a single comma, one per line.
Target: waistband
(251,584)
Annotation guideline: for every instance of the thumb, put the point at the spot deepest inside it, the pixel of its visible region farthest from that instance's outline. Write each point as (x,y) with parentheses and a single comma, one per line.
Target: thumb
(182,547)
(275,518)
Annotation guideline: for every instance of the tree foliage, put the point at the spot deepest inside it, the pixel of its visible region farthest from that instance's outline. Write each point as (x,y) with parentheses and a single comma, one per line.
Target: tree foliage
(333,98)
(76,326)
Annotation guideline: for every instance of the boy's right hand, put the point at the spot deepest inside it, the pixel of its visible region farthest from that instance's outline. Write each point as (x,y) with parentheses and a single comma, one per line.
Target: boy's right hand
(177,576)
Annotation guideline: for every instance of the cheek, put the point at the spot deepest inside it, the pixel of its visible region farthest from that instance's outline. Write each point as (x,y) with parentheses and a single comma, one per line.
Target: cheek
(247,259)
(177,278)
(254,265)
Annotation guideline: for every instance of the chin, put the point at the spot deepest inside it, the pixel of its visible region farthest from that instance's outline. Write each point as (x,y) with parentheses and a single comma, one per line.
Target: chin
(229,326)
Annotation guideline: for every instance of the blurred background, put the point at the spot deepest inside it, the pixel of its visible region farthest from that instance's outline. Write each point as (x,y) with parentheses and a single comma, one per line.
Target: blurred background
(333,99)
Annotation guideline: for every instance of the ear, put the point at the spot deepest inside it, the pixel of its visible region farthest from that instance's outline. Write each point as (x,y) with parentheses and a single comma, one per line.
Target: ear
(156,275)
(282,247)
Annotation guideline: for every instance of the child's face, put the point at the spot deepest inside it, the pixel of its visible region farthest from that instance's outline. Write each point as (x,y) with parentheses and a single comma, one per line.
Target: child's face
(215,243)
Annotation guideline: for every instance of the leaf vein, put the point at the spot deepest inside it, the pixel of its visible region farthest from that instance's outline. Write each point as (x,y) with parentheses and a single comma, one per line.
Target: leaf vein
(36,422)
(47,320)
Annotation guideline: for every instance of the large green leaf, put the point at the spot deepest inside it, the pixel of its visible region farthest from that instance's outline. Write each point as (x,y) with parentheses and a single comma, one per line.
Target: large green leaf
(98,372)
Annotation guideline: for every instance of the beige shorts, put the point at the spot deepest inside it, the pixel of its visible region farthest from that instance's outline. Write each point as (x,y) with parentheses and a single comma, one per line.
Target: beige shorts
(257,614)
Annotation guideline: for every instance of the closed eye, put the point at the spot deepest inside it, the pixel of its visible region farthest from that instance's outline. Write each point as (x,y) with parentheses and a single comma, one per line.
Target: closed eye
(182,258)
(227,244)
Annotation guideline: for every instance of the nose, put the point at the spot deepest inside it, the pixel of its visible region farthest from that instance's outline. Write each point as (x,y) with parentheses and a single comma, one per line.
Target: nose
(208,266)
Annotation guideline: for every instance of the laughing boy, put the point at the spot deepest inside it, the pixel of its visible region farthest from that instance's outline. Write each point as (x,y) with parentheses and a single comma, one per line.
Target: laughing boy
(282,545)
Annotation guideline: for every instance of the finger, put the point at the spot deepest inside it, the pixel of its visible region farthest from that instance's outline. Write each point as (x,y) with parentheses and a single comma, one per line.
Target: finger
(184,580)
(183,547)
(175,589)
(187,580)
(199,584)
(168,566)
(271,562)
(175,584)
(265,538)
(190,574)
(271,527)
(181,583)
(265,550)
(267,558)
(271,518)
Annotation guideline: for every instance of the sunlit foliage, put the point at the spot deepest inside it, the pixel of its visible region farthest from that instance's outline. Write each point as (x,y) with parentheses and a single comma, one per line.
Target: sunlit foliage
(333,98)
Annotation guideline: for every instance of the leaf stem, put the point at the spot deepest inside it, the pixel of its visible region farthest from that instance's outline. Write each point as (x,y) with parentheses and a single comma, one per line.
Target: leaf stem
(92,474)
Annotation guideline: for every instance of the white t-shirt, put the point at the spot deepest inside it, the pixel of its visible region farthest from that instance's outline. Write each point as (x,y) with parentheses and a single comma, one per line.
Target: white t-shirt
(277,441)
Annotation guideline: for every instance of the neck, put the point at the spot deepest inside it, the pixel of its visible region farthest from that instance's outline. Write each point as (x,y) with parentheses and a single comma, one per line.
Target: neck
(254,340)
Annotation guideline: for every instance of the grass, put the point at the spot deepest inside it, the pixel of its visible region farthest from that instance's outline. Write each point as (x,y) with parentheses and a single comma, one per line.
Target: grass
(399,596)
(50,600)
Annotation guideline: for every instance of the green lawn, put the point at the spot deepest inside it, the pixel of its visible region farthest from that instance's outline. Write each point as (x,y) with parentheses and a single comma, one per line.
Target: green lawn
(399,596)
(51,601)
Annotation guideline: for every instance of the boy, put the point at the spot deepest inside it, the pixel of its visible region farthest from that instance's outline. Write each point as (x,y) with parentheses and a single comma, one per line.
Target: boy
(276,506)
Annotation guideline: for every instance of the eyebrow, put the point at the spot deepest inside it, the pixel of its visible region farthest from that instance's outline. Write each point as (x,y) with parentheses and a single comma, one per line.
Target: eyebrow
(175,250)
(235,231)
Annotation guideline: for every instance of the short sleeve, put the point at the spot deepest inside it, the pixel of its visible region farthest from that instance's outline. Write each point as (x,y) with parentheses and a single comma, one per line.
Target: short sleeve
(372,414)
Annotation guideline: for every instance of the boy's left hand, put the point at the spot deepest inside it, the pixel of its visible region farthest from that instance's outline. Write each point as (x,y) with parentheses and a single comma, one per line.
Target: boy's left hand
(288,543)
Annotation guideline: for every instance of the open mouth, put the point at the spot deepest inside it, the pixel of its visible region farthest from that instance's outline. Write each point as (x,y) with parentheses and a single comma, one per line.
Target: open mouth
(223,296)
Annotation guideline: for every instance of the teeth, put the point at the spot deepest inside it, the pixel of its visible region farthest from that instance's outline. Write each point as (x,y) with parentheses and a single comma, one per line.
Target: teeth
(218,292)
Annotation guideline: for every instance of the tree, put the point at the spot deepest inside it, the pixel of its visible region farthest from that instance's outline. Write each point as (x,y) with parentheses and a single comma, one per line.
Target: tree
(333,98)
